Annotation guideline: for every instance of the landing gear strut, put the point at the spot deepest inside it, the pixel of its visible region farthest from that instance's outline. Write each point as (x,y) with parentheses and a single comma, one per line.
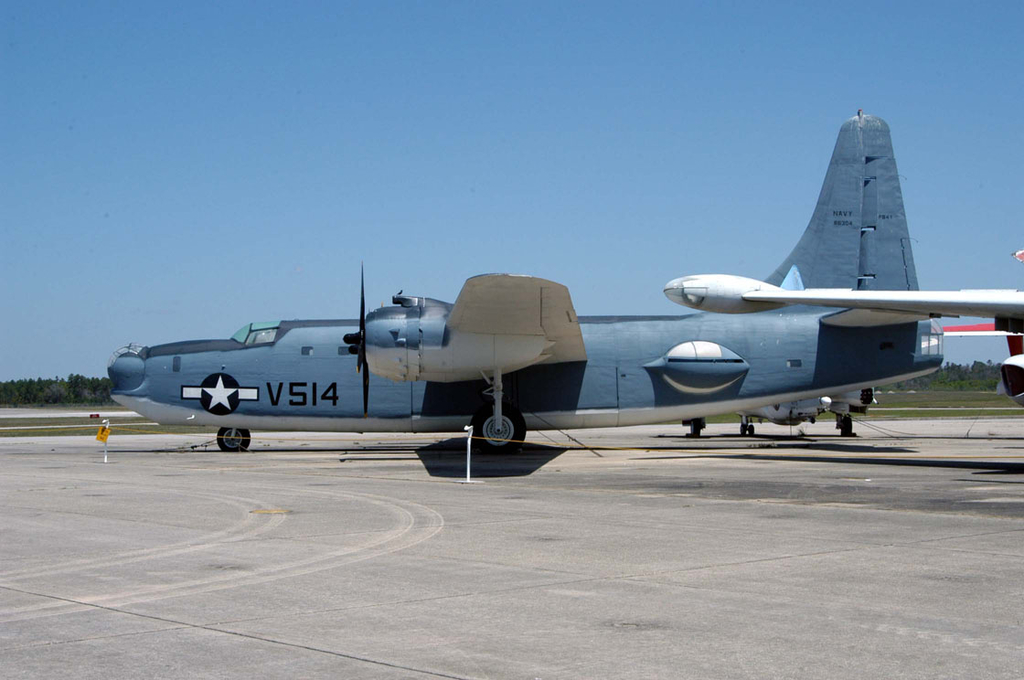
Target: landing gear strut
(233,439)
(498,427)
(696,425)
(844,424)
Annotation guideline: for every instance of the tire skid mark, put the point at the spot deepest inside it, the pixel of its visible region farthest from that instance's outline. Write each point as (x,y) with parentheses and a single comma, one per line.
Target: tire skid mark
(229,534)
(409,532)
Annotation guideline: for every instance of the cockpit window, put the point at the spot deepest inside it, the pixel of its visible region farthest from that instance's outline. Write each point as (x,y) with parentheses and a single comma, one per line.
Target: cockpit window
(260,333)
(261,337)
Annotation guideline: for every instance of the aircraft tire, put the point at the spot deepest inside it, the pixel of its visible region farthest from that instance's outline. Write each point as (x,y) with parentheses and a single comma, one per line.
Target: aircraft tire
(846,427)
(233,439)
(507,439)
(750,430)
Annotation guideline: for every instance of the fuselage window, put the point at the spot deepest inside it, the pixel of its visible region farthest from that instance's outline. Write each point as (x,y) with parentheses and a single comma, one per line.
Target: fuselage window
(931,344)
(307,351)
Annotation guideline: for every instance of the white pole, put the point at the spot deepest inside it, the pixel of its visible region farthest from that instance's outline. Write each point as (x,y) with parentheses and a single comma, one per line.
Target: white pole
(106,423)
(469,449)
(469,454)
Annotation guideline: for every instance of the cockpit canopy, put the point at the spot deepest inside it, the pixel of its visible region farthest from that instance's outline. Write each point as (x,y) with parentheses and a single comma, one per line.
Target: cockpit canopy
(258,333)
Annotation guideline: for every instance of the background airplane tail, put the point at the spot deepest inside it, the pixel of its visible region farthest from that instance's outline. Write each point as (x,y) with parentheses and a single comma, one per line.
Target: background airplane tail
(857,237)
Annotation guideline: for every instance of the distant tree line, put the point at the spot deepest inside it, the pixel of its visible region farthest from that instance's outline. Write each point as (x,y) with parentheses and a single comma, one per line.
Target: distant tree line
(977,377)
(75,389)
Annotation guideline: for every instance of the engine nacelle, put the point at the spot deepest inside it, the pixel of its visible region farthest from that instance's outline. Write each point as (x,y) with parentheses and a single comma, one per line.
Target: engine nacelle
(1012,382)
(718,293)
(412,342)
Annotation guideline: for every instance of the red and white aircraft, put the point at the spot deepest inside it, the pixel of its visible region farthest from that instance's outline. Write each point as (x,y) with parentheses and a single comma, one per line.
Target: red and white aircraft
(1011,382)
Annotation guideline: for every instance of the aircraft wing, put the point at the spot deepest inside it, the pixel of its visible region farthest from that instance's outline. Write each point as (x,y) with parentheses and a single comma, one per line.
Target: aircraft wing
(875,307)
(509,304)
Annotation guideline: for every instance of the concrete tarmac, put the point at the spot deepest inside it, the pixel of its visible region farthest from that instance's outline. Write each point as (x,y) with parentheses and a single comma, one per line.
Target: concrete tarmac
(898,553)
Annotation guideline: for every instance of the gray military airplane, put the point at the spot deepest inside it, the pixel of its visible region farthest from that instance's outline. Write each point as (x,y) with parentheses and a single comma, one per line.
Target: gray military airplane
(511,354)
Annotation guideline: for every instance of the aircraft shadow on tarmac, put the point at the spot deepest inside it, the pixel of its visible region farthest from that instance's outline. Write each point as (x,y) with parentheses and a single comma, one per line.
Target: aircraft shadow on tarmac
(448,459)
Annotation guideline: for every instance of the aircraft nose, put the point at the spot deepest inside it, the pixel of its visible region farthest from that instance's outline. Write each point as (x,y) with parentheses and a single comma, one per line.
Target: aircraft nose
(127,368)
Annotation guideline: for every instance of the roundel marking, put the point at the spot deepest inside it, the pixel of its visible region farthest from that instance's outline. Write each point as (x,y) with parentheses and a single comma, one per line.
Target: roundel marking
(220,394)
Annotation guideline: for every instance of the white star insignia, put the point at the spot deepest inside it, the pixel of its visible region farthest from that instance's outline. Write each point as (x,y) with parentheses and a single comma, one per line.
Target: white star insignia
(219,394)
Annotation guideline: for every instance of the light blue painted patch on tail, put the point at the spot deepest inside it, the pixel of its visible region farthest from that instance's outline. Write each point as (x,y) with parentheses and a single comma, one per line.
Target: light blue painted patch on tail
(793,280)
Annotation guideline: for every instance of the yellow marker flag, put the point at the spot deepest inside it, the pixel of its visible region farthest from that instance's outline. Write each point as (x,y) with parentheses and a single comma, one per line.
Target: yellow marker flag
(102,435)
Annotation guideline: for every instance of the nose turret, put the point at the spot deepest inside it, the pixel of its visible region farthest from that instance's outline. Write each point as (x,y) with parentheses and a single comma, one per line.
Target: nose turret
(127,368)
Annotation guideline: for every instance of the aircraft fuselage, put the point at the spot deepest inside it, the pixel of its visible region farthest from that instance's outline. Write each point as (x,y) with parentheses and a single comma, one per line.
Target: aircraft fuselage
(306,379)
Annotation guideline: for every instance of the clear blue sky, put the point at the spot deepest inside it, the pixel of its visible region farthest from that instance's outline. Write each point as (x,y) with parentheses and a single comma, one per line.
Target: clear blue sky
(175,170)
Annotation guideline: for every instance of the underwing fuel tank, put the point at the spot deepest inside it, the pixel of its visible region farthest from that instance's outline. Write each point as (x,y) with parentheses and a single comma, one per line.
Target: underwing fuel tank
(718,293)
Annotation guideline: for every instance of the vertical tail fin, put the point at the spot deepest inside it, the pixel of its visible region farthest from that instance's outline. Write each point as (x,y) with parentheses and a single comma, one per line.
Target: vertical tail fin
(857,237)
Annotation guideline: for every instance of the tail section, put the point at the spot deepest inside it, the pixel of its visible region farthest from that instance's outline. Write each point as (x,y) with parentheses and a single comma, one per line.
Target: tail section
(857,237)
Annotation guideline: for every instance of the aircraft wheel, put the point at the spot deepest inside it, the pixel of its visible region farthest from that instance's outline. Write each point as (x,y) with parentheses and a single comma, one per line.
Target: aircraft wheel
(490,436)
(750,430)
(846,427)
(233,439)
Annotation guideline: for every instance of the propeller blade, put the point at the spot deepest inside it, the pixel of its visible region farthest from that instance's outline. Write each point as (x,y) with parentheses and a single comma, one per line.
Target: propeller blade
(361,366)
(362,305)
(366,393)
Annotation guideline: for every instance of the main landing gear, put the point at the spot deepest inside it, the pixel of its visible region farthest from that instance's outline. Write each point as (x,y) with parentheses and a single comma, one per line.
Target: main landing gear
(501,434)
(844,424)
(498,427)
(696,425)
(233,439)
(746,427)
